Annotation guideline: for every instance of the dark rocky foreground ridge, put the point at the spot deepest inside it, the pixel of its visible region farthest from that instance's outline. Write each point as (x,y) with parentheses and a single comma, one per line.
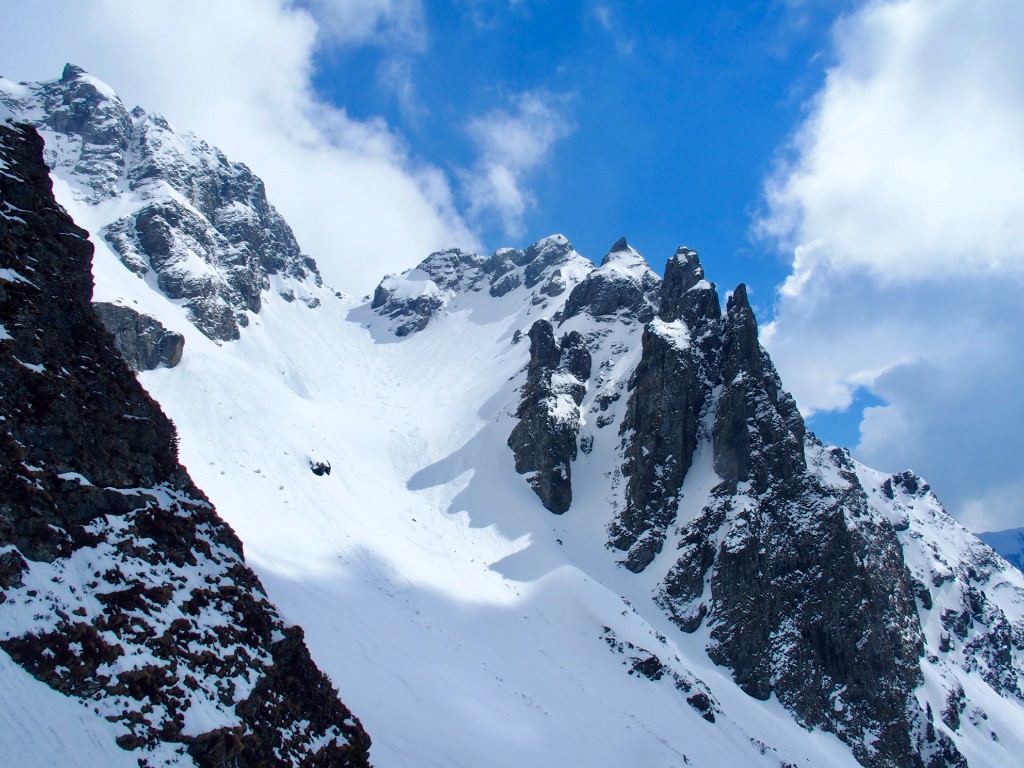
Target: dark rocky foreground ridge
(119,584)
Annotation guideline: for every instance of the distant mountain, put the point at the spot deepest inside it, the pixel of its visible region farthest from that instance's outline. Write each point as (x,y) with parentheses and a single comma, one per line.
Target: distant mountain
(572,515)
(1008,543)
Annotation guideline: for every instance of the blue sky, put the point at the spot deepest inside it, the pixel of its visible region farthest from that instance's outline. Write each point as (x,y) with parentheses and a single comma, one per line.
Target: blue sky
(857,163)
(673,114)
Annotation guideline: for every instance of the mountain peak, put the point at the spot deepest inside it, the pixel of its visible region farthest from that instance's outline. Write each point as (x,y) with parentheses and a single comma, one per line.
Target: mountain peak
(619,245)
(216,244)
(623,257)
(71,72)
(685,293)
(738,301)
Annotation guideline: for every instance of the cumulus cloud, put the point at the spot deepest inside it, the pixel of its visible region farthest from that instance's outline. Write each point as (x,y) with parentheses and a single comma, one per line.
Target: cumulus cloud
(902,202)
(512,144)
(239,73)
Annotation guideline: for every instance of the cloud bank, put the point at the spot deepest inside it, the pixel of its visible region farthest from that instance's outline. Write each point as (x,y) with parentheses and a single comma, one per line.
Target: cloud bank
(902,203)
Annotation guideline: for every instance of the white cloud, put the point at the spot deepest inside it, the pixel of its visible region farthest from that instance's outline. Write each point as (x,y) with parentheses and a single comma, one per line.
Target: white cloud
(381,22)
(902,199)
(512,144)
(608,21)
(396,75)
(238,73)
(910,162)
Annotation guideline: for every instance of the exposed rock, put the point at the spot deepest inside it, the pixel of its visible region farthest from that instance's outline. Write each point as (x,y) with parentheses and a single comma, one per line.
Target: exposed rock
(141,339)
(663,426)
(758,433)
(119,584)
(413,298)
(544,270)
(803,586)
(320,468)
(641,661)
(687,296)
(544,439)
(623,283)
(672,390)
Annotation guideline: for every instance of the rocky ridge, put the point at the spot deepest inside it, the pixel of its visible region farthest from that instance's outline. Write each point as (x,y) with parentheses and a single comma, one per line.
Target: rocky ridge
(199,226)
(119,584)
(543,272)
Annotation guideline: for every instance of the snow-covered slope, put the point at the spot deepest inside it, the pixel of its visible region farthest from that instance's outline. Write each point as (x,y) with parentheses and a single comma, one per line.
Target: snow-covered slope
(718,588)
(466,624)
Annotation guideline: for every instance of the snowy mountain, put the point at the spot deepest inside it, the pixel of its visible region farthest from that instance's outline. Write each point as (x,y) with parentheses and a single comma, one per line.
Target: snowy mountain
(176,211)
(572,518)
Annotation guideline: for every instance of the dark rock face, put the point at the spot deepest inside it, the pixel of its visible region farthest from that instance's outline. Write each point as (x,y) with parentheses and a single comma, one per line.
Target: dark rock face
(148,608)
(219,250)
(670,392)
(758,433)
(544,439)
(804,588)
(810,603)
(623,283)
(685,295)
(141,339)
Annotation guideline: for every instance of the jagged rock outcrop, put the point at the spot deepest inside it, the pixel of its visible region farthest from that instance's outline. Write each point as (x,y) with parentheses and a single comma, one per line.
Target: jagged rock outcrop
(623,283)
(544,271)
(198,222)
(671,389)
(758,432)
(663,425)
(544,439)
(412,299)
(119,584)
(804,589)
(141,339)
(686,295)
